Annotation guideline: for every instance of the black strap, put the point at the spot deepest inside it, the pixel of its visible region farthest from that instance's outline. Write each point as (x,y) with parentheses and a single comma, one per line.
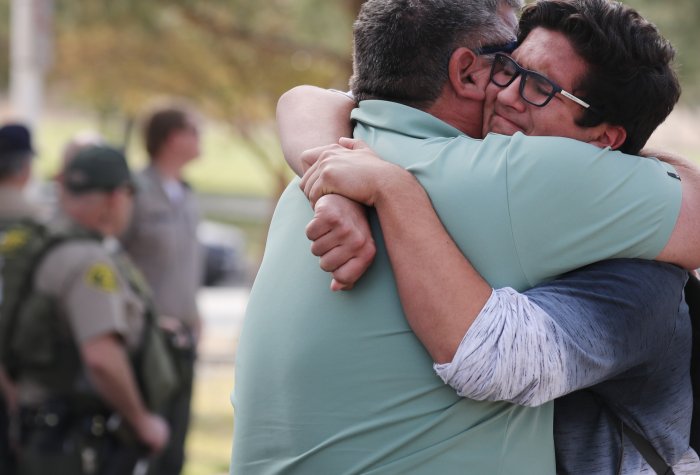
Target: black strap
(647,451)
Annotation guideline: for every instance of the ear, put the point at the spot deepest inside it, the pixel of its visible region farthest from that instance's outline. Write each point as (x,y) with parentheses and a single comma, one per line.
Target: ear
(607,135)
(464,65)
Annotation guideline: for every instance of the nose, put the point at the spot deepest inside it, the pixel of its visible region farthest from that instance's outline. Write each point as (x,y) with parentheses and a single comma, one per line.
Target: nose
(509,96)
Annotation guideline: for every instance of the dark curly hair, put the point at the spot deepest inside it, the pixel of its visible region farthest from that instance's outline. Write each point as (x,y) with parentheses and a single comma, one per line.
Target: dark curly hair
(630,80)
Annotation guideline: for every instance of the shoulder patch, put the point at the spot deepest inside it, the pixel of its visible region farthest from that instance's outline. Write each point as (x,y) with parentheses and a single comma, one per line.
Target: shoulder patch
(103,277)
(13,240)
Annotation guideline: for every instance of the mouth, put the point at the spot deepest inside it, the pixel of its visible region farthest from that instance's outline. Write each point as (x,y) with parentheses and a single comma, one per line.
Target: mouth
(501,125)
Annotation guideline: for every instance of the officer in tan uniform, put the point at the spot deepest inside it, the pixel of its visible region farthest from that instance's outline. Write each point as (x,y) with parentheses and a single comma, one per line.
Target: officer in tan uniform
(77,382)
(162,241)
(16,154)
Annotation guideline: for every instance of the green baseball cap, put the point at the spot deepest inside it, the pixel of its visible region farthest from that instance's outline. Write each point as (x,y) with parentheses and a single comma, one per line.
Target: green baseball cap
(97,168)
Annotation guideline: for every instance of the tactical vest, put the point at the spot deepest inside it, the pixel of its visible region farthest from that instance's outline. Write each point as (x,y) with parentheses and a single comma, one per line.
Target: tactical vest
(34,342)
(154,360)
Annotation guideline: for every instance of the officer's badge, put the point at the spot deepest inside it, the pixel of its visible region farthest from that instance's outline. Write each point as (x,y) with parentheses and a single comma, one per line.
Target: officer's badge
(102,276)
(13,240)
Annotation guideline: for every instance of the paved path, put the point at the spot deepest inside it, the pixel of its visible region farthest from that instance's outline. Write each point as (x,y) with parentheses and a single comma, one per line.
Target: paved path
(222,310)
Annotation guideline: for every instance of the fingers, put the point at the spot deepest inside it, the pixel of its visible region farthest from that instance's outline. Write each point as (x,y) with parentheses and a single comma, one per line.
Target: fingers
(317,228)
(314,155)
(315,181)
(311,156)
(336,286)
(352,144)
(345,276)
(342,239)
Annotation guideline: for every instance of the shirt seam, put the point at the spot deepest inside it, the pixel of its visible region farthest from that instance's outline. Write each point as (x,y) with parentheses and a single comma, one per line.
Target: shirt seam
(510,216)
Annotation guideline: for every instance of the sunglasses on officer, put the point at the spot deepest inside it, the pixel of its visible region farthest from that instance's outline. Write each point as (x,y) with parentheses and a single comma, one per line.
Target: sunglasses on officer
(535,88)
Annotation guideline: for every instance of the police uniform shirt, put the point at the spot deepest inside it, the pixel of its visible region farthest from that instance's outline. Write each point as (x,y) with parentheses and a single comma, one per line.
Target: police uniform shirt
(91,296)
(13,206)
(162,242)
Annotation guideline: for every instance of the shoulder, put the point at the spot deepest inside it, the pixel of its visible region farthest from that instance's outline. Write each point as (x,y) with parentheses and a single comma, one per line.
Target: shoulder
(147,181)
(639,271)
(567,156)
(74,259)
(622,283)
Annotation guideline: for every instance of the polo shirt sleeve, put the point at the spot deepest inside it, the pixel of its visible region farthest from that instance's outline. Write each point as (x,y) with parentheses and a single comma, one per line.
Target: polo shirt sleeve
(571,204)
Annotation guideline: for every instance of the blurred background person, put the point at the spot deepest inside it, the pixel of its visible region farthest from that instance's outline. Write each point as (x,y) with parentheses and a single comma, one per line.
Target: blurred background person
(162,241)
(16,154)
(77,348)
(78,142)
(75,144)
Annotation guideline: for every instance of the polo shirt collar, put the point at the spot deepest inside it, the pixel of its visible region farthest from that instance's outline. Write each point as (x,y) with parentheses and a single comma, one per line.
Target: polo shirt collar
(403,119)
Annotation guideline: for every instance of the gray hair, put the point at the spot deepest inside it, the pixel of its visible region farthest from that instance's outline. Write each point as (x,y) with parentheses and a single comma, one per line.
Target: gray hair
(402,48)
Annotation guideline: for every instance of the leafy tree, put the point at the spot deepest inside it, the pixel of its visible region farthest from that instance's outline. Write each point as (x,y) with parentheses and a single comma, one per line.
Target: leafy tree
(232,58)
(678,21)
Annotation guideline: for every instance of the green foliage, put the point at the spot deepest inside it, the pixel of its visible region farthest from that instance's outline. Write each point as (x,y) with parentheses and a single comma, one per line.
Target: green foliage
(678,20)
(233,58)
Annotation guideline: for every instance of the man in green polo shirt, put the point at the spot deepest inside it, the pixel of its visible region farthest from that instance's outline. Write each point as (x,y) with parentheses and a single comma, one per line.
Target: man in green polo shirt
(337,382)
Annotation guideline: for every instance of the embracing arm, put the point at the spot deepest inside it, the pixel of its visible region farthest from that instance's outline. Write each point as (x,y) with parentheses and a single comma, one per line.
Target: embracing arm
(558,338)
(309,117)
(683,248)
(440,291)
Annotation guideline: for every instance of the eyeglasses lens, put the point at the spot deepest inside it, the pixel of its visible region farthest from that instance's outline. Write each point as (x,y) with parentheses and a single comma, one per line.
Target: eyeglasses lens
(534,88)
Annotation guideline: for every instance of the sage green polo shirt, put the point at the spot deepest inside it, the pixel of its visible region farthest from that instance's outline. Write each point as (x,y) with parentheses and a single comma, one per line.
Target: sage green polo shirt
(336,383)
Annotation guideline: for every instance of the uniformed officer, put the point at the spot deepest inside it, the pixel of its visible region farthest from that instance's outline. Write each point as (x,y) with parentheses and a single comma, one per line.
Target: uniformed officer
(16,154)
(76,377)
(162,241)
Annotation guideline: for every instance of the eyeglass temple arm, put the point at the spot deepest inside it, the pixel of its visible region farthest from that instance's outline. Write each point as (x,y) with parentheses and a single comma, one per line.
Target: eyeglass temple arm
(575,99)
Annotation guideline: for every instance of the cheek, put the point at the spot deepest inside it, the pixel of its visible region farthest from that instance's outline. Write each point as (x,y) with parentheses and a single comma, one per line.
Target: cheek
(490,100)
(491,94)
(552,122)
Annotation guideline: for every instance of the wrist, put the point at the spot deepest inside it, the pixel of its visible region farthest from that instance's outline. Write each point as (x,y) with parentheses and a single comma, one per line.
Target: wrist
(395,184)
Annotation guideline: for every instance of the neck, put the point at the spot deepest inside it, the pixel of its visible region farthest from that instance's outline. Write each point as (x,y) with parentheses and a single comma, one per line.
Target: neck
(463,115)
(13,184)
(89,212)
(93,223)
(168,166)
(17,182)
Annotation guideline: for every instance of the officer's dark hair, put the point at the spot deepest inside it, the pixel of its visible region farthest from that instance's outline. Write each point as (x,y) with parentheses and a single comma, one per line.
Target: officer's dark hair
(402,48)
(630,81)
(161,123)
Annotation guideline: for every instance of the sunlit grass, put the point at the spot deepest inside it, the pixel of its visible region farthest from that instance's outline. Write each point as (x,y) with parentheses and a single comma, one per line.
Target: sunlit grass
(209,441)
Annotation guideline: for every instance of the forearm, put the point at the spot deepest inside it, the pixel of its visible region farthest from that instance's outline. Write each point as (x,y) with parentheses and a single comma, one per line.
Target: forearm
(514,352)
(440,291)
(309,117)
(683,247)
(110,372)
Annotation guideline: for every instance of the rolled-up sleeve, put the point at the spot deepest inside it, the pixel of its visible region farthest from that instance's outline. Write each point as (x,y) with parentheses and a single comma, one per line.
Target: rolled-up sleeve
(567,334)
(510,353)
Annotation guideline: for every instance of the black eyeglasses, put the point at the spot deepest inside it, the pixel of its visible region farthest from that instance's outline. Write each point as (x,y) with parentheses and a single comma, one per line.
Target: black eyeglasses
(501,48)
(535,88)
